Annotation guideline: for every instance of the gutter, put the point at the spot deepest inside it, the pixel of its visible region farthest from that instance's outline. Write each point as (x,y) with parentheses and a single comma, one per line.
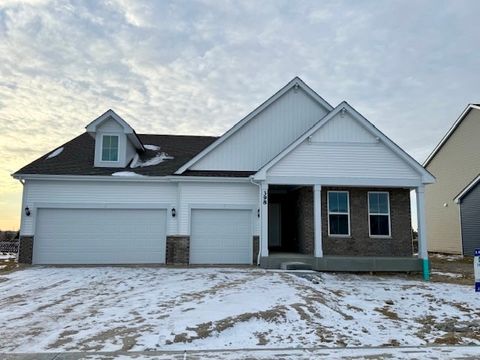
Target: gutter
(139,178)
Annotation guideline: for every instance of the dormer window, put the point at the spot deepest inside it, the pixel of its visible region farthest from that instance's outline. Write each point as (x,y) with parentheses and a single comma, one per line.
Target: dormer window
(110,148)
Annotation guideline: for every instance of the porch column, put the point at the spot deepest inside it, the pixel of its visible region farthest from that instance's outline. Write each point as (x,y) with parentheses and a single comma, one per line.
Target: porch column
(264,220)
(317,219)
(422,233)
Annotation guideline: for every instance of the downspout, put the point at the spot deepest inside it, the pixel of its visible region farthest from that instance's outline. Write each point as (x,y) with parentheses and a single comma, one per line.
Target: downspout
(260,238)
(22,212)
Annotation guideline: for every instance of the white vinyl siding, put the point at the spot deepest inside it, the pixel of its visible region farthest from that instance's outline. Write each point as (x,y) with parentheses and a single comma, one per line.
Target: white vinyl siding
(379,224)
(87,192)
(265,135)
(338,204)
(342,148)
(99,236)
(221,236)
(192,195)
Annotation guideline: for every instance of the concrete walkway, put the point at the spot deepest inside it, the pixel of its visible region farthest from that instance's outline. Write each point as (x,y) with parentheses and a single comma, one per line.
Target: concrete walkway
(438,352)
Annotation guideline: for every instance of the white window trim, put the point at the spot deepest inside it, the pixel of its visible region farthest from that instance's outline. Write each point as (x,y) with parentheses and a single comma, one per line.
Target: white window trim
(389,236)
(339,213)
(118,149)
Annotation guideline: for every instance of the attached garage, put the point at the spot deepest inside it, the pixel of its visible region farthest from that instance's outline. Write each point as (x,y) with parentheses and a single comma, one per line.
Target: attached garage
(221,236)
(99,236)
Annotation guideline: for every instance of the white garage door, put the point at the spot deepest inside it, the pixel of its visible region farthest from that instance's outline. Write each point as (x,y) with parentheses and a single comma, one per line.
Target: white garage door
(99,236)
(221,237)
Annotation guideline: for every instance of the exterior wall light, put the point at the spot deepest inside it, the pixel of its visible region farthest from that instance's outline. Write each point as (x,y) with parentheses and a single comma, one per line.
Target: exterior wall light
(174,212)
(27,211)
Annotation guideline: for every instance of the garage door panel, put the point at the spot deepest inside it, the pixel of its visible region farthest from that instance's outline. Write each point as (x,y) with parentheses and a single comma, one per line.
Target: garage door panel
(100,236)
(221,236)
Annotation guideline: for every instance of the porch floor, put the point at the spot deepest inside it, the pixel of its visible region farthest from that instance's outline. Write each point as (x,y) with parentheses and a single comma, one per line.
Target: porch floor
(345,263)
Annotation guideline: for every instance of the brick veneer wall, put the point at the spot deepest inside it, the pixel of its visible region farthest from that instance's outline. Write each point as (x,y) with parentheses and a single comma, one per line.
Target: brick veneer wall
(25,250)
(178,250)
(305,230)
(360,243)
(256,244)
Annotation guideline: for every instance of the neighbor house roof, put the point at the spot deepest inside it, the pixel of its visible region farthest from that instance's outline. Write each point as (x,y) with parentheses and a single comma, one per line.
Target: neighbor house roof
(77,156)
(467,189)
(449,133)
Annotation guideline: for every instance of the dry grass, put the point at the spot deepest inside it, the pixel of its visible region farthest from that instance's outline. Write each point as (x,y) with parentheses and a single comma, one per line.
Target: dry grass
(205,330)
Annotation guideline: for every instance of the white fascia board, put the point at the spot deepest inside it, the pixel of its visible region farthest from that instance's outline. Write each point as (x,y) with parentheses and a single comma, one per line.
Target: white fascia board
(454,127)
(132,178)
(462,193)
(128,130)
(344,181)
(427,178)
(259,109)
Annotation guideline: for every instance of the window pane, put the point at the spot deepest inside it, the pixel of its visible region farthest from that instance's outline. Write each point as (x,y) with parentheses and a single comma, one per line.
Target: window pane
(383,203)
(113,154)
(338,201)
(378,203)
(373,202)
(110,148)
(379,225)
(105,154)
(338,224)
(113,142)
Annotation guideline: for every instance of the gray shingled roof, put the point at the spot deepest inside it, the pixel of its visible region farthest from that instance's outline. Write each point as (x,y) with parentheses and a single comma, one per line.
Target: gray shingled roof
(78,155)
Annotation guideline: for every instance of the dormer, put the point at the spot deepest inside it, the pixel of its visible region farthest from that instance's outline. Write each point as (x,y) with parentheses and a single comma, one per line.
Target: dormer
(116,143)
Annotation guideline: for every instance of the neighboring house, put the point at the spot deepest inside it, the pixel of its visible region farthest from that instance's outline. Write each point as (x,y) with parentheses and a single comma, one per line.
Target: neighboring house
(455,162)
(295,180)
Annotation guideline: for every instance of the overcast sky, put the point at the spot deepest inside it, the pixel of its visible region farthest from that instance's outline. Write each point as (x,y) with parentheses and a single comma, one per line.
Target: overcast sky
(188,67)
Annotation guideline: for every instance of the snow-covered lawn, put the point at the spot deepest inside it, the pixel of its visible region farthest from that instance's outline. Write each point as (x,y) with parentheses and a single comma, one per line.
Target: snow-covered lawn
(141,308)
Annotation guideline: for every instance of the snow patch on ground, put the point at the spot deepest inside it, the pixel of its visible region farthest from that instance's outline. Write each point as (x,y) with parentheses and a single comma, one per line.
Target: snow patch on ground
(446,257)
(447,274)
(127,174)
(152,147)
(6,256)
(55,153)
(144,308)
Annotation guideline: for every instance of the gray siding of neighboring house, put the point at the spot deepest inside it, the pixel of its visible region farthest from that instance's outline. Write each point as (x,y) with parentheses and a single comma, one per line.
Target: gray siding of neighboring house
(470,215)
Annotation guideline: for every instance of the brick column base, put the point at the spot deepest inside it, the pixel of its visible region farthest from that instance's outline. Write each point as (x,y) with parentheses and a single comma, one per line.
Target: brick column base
(256,244)
(178,250)
(25,250)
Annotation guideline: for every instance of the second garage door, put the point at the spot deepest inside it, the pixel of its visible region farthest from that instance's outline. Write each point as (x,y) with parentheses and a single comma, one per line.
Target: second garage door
(99,236)
(221,236)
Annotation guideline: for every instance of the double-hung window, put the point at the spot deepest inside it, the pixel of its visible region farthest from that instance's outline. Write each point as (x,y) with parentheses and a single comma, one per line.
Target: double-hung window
(110,148)
(379,213)
(338,213)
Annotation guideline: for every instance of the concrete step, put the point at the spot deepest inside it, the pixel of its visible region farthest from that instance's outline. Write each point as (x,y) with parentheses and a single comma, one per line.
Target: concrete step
(295,265)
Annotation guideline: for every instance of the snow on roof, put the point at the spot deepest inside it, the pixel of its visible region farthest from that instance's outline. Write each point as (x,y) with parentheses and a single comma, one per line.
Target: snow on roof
(157,159)
(55,153)
(126,174)
(152,147)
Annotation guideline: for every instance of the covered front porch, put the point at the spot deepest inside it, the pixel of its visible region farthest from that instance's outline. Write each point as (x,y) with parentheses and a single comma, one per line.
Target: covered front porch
(299,224)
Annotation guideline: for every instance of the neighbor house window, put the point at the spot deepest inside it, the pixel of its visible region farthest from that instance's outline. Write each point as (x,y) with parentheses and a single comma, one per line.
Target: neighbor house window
(110,148)
(379,213)
(338,213)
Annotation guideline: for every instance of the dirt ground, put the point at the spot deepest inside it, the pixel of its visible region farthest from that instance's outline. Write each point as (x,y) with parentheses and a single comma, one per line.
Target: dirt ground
(441,265)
